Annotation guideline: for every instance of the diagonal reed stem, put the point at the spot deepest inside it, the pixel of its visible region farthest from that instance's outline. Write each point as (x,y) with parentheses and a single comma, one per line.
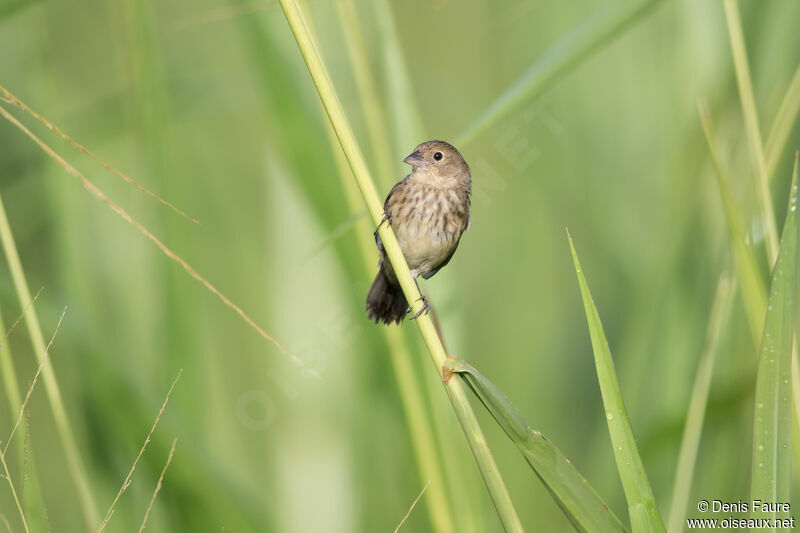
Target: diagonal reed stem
(454,387)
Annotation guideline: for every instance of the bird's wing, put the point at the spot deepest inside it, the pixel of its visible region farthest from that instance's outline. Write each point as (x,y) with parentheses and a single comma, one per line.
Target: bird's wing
(386,204)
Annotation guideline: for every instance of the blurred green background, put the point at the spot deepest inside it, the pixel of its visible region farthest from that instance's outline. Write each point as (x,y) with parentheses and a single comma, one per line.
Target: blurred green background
(210,105)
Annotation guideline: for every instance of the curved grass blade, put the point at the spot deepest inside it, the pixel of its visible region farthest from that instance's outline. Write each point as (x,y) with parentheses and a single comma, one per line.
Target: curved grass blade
(589,36)
(753,292)
(782,127)
(644,514)
(579,501)
(771,474)
(752,128)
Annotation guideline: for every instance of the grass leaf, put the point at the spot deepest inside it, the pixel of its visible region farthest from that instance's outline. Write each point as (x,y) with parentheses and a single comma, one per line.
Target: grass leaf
(75,465)
(579,501)
(753,292)
(597,30)
(644,514)
(782,127)
(751,122)
(771,474)
(687,459)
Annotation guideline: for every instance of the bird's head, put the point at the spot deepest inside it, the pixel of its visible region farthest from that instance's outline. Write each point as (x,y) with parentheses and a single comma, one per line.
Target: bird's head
(438,160)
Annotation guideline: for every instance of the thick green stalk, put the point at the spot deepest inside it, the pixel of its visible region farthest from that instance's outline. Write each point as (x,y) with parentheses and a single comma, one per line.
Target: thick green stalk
(455,388)
(74,462)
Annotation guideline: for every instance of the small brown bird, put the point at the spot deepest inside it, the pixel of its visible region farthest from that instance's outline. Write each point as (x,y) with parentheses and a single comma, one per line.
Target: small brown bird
(428,211)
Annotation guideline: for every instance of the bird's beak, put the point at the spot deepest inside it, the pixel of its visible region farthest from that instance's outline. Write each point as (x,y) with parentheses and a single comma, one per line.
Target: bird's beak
(415,159)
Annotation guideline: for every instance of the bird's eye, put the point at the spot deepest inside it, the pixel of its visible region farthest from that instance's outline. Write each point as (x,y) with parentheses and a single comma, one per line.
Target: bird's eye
(438,156)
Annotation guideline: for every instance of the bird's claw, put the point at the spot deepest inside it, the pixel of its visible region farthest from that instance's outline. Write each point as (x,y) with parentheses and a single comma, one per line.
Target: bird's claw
(425,308)
(386,218)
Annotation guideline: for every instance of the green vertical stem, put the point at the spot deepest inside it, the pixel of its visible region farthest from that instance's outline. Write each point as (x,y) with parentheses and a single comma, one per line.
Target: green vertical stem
(454,387)
(7,475)
(687,458)
(32,499)
(368,94)
(751,123)
(403,109)
(74,463)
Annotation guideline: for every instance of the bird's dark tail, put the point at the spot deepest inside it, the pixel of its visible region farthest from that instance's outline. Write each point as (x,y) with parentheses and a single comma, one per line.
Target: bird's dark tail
(385,301)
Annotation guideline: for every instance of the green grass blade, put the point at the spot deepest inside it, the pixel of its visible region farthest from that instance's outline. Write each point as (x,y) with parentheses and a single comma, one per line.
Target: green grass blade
(782,127)
(367,91)
(751,122)
(588,37)
(753,292)
(7,476)
(771,473)
(77,470)
(687,458)
(644,514)
(32,500)
(579,501)
(406,118)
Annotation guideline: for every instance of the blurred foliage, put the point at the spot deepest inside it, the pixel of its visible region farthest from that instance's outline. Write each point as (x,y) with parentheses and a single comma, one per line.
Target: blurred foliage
(210,105)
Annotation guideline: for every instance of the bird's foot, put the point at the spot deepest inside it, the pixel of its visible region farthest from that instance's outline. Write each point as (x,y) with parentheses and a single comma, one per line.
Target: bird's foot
(386,218)
(425,308)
